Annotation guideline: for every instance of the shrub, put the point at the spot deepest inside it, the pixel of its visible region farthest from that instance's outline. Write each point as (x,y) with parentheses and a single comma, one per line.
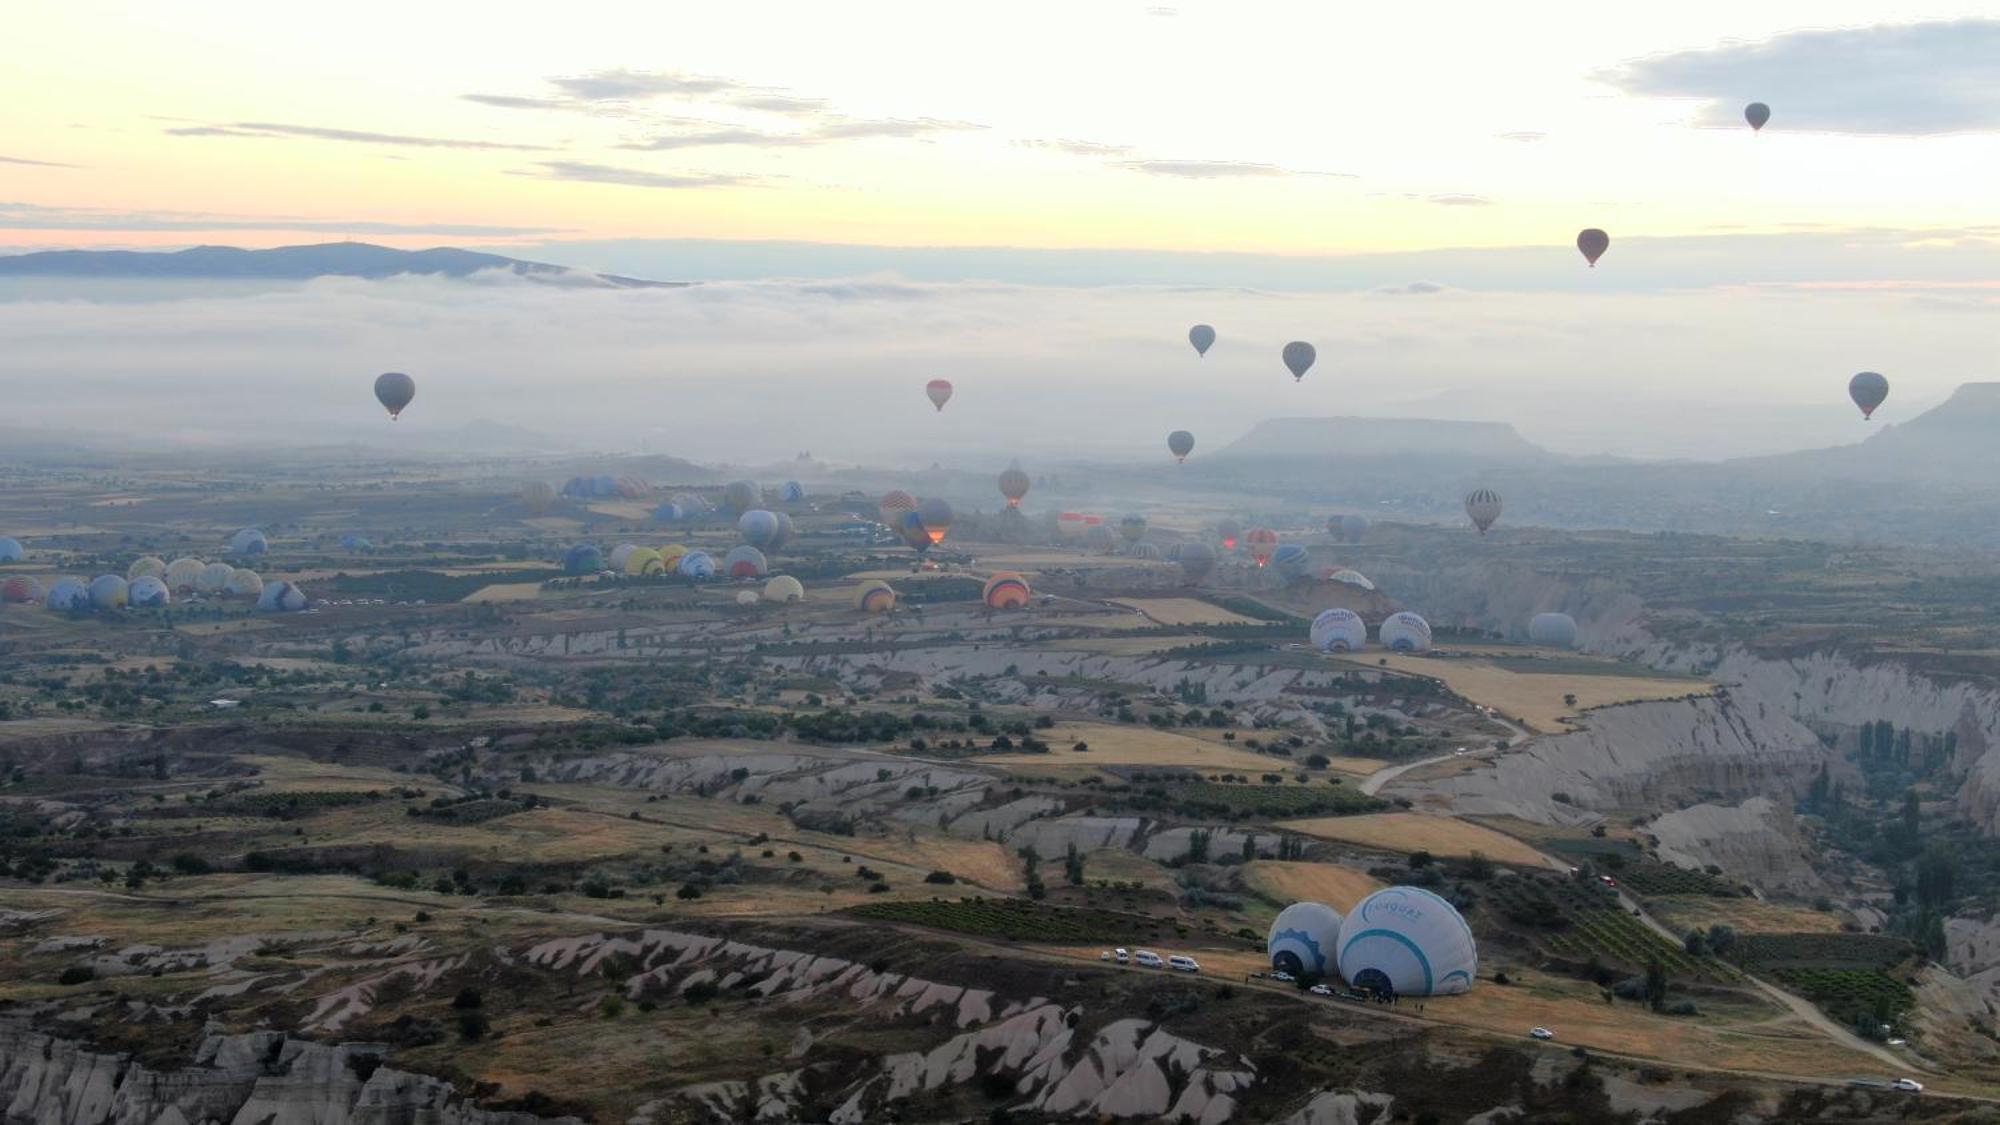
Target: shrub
(77,974)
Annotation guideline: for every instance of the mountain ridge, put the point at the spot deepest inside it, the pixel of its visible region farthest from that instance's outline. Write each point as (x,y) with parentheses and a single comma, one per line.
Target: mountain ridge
(299,263)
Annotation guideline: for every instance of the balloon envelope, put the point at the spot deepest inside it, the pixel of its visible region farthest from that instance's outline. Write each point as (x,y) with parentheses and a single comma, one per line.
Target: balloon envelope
(875,597)
(697,564)
(758,527)
(894,506)
(1338,630)
(1593,243)
(394,390)
(936,516)
(248,541)
(1180,443)
(1756,113)
(1014,484)
(742,495)
(10,550)
(1299,357)
(1197,559)
(938,391)
(784,588)
(1262,542)
(1202,337)
(1005,590)
(146,565)
(1868,389)
(583,558)
(1483,506)
(1557,630)
(148,591)
(744,562)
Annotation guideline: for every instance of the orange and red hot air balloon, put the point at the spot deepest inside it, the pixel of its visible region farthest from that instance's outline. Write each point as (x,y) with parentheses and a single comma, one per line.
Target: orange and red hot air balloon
(1261,541)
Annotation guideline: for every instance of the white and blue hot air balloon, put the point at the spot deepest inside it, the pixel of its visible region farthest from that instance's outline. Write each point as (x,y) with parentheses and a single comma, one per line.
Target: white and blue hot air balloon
(1338,630)
(148,591)
(10,550)
(249,541)
(1305,939)
(68,595)
(759,528)
(1405,632)
(792,492)
(1556,630)
(1408,941)
(698,565)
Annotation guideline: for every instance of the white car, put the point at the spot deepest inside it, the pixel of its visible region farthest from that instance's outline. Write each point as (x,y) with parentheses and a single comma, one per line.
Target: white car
(1104,956)
(1147,959)
(1461,751)
(1320,990)
(1180,962)
(1540,1033)
(1282,975)
(1908,1085)
(1120,956)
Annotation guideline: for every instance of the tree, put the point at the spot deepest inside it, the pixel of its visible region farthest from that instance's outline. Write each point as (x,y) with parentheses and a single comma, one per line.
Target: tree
(1073,866)
(1696,943)
(1656,984)
(1721,939)
(1913,812)
(1197,851)
(1420,860)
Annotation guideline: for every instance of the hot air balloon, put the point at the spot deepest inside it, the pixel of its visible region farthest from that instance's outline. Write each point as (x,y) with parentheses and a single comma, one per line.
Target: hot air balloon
(1070,526)
(1202,337)
(182,575)
(584,558)
(1132,528)
(939,392)
(643,563)
(1405,632)
(1483,505)
(1304,940)
(1261,541)
(745,562)
(538,496)
(1756,113)
(108,591)
(758,527)
(1290,560)
(619,554)
(875,597)
(281,597)
(784,532)
(1229,531)
(213,579)
(670,512)
(147,592)
(145,565)
(1868,390)
(1006,590)
(356,543)
(894,507)
(1299,357)
(1014,484)
(1197,560)
(1557,630)
(10,550)
(1351,578)
(936,515)
(784,588)
(248,541)
(747,597)
(243,584)
(1349,529)
(1097,537)
(697,565)
(21,590)
(792,492)
(1180,443)
(742,495)
(394,390)
(670,558)
(68,594)
(1593,243)
(1144,552)
(1338,630)
(913,533)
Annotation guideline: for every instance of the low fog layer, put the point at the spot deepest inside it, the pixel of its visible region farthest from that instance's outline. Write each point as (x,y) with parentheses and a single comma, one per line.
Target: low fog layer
(745,371)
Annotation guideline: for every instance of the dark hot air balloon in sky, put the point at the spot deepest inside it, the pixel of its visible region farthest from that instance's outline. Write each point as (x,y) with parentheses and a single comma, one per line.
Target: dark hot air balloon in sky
(1756,113)
(1868,390)
(1483,505)
(1180,443)
(1593,243)
(1229,531)
(1013,484)
(939,392)
(936,517)
(1299,357)
(1197,559)
(394,390)
(1202,337)
(1262,541)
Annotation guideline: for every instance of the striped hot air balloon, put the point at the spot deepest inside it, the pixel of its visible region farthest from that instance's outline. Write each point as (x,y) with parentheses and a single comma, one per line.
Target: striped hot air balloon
(1006,590)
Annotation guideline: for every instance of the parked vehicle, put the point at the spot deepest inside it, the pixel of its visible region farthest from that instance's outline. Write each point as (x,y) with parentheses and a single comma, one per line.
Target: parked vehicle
(1283,976)
(1104,956)
(1320,990)
(1120,956)
(1909,1085)
(1147,959)
(1540,1033)
(1181,962)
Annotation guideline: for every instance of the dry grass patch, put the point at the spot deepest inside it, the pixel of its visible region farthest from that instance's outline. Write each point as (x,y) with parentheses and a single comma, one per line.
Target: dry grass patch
(1184,611)
(1414,832)
(1330,883)
(505,592)
(1535,698)
(1139,746)
(1745,915)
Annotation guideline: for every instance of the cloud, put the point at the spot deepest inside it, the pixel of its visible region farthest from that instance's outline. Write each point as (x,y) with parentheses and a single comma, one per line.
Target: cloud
(31,216)
(1162,11)
(510,101)
(774,102)
(634,177)
(1914,79)
(269,129)
(638,85)
(1523,136)
(1452,199)
(1213,169)
(1077,148)
(1413,289)
(825,132)
(34,163)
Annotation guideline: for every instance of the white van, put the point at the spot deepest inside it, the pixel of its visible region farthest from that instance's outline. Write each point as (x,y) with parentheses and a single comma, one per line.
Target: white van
(1148,959)
(1120,956)
(1183,963)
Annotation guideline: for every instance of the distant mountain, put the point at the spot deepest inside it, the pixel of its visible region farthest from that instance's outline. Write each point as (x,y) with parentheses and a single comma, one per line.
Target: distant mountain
(296,263)
(1950,440)
(1350,438)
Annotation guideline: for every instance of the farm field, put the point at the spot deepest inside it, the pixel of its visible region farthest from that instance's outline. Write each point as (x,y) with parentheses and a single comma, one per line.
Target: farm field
(1413,832)
(1184,611)
(1745,915)
(1330,883)
(505,592)
(1534,698)
(1139,746)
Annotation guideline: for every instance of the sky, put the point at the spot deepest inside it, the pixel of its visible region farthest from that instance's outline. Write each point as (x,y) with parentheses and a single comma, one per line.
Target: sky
(1031,198)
